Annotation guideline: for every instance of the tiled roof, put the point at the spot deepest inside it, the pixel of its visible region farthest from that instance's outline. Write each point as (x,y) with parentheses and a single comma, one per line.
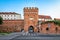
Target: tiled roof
(56,18)
(44,16)
(8,13)
(14,20)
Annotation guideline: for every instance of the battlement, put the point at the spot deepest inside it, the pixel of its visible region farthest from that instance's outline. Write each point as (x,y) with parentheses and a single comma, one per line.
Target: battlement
(31,8)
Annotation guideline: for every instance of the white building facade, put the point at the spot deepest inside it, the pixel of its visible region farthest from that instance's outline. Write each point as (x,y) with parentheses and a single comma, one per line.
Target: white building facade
(10,16)
(44,18)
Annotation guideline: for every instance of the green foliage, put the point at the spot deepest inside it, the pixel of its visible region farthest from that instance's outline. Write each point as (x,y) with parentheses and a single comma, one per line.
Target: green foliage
(57,22)
(4,33)
(1,20)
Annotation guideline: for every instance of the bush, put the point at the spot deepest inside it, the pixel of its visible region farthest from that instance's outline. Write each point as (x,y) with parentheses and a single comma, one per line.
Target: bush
(57,22)
(1,20)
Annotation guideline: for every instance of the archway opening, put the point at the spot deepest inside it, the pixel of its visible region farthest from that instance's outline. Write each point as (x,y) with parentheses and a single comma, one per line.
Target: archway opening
(56,29)
(31,29)
(47,29)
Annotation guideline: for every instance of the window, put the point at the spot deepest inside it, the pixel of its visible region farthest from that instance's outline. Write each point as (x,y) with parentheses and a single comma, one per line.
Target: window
(14,15)
(11,19)
(14,18)
(8,15)
(11,15)
(5,15)
(56,28)
(31,18)
(8,18)
(47,29)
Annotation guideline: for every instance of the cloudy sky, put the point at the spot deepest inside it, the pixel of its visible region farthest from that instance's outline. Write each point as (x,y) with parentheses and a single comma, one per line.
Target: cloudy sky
(46,7)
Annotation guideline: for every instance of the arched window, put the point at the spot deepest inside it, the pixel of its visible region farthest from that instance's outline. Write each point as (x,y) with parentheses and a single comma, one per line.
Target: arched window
(47,29)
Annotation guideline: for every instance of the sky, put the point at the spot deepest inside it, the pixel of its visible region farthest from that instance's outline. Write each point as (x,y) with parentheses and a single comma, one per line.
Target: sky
(46,7)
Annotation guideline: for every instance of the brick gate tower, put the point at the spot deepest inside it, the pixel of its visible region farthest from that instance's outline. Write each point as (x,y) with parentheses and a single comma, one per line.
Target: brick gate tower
(30,18)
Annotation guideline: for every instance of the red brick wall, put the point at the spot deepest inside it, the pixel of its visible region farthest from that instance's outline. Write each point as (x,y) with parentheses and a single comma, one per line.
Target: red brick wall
(52,28)
(58,29)
(30,13)
(17,25)
(12,25)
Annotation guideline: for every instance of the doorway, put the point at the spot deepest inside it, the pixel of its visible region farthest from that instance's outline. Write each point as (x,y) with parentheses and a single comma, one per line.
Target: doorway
(31,29)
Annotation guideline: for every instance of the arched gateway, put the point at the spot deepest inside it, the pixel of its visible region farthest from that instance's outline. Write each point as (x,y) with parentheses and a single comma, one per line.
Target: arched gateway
(31,29)
(30,18)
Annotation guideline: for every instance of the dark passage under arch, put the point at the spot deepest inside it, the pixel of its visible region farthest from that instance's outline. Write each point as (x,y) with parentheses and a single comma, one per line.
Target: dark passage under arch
(31,29)
(47,29)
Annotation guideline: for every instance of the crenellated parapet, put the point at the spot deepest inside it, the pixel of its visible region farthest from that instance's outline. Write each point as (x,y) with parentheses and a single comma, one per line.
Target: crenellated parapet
(30,9)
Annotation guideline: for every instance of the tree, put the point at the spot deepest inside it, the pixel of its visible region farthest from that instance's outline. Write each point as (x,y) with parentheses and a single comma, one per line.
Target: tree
(1,20)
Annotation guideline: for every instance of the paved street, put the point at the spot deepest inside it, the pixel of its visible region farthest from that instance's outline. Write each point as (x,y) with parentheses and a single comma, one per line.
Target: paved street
(29,36)
(36,36)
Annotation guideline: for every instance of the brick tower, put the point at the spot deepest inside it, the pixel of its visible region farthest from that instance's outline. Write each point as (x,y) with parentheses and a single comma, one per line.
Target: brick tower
(30,18)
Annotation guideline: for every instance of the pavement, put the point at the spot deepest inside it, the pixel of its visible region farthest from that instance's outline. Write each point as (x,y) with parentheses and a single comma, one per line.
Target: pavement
(30,36)
(10,36)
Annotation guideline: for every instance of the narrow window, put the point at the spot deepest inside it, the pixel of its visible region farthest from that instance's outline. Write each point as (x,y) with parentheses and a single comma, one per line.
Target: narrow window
(47,29)
(56,28)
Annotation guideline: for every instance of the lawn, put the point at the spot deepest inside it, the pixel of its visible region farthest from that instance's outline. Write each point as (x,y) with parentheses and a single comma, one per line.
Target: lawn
(4,33)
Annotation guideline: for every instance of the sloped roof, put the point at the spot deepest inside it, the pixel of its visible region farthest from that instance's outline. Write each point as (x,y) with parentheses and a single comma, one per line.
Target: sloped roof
(14,20)
(44,16)
(56,18)
(8,13)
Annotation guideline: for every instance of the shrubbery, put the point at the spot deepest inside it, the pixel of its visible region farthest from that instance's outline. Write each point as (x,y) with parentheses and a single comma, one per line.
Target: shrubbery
(57,22)
(1,20)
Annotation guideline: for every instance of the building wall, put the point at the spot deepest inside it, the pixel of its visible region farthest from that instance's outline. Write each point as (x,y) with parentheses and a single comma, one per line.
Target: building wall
(12,25)
(51,28)
(30,18)
(44,18)
(10,16)
(18,25)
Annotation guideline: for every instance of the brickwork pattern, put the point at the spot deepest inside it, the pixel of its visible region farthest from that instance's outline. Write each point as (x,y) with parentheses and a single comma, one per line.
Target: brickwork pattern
(51,30)
(31,12)
(12,25)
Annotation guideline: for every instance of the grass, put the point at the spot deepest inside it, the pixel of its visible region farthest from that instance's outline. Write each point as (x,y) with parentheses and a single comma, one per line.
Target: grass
(3,33)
